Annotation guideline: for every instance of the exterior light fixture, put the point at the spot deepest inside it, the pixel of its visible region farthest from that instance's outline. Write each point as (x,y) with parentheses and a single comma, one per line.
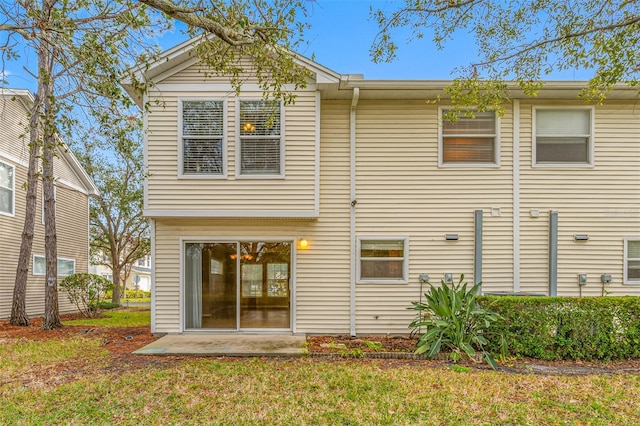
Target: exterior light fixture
(303,243)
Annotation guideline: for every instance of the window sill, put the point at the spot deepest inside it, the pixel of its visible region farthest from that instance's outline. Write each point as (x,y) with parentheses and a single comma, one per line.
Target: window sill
(261,177)
(563,166)
(203,176)
(378,282)
(469,165)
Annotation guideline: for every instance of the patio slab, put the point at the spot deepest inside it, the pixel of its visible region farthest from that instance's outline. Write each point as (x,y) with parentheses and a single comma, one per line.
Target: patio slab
(240,345)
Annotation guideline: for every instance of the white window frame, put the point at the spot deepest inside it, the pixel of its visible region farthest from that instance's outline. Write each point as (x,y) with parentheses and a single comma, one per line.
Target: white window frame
(12,213)
(496,144)
(627,280)
(591,148)
(182,136)
(239,138)
(405,261)
(63,259)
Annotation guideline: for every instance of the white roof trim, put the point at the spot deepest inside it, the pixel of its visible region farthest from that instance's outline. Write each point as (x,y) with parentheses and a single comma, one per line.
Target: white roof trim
(27,99)
(163,68)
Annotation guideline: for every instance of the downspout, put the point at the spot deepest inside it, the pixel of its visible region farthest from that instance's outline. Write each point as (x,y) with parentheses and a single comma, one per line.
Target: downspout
(553,253)
(352,213)
(477,252)
(516,195)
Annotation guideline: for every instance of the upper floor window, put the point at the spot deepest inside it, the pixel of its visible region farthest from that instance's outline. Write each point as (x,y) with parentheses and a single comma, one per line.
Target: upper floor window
(202,135)
(383,260)
(7,187)
(260,129)
(563,136)
(471,140)
(632,260)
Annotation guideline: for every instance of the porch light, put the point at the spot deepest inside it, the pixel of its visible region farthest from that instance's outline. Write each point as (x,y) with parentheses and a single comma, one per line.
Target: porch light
(303,243)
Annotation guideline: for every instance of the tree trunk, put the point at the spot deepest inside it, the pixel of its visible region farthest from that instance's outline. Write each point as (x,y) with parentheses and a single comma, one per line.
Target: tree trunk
(18,307)
(116,284)
(51,311)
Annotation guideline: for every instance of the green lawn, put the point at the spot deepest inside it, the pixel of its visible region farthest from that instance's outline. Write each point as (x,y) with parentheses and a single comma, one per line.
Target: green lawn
(77,381)
(130,317)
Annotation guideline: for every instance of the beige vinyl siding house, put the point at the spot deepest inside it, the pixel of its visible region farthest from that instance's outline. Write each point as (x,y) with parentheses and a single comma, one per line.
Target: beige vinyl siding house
(371,193)
(72,189)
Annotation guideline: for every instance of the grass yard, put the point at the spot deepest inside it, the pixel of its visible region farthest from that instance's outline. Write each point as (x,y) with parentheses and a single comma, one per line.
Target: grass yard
(131,317)
(80,377)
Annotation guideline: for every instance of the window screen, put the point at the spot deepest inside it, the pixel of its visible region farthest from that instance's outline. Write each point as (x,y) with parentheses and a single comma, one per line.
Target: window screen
(202,137)
(260,138)
(563,136)
(632,261)
(469,140)
(382,260)
(6,188)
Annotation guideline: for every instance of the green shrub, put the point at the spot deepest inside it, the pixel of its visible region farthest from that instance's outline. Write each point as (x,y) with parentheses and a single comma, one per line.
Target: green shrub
(562,328)
(138,294)
(86,291)
(452,318)
(104,304)
(132,294)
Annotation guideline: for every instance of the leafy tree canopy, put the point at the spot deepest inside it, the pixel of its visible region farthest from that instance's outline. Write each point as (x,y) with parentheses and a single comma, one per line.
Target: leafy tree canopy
(523,41)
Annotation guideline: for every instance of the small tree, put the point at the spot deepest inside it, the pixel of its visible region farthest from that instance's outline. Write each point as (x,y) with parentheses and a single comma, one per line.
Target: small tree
(111,153)
(86,291)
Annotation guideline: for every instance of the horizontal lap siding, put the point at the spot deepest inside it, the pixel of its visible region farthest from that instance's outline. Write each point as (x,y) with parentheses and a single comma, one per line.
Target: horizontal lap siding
(200,74)
(402,192)
(603,202)
(293,193)
(15,123)
(322,270)
(71,211)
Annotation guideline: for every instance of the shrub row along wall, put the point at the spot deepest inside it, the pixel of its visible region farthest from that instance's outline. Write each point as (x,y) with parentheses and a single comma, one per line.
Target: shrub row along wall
(555,328)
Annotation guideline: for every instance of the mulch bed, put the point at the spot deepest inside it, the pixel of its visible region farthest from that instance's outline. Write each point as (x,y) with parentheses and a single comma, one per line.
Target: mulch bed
(390,351)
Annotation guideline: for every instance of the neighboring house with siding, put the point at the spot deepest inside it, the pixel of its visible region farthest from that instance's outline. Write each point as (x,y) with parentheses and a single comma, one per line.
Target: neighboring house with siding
(323,216)
(139,277)
(72,189)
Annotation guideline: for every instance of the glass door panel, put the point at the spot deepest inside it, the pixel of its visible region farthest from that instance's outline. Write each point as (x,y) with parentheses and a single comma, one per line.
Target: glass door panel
(217,297)
(265,277)
(210,285)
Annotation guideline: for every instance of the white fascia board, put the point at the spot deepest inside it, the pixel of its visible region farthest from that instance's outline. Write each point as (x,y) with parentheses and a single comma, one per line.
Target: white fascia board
(77,168)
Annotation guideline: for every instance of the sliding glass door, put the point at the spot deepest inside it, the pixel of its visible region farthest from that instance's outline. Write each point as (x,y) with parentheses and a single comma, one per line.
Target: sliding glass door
(237,285)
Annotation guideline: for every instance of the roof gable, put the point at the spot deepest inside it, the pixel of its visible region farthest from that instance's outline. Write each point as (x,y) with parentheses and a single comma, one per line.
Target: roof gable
(26,99)
(182,56)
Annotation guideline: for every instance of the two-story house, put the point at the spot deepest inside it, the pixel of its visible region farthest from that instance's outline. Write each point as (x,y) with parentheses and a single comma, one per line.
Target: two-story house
(328,215)
(72,189)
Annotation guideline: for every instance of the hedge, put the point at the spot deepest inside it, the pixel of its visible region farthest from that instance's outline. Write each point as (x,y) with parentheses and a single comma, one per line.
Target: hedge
(132,294)
(563,328)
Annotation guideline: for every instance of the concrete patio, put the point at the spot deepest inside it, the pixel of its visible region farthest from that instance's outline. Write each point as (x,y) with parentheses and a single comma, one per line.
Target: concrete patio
(240,345)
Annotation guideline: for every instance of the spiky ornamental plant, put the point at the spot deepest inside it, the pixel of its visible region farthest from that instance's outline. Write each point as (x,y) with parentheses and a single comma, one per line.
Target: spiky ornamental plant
(451,318)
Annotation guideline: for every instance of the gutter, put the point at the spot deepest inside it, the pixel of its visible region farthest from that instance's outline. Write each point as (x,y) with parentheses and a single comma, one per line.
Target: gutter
(352,215)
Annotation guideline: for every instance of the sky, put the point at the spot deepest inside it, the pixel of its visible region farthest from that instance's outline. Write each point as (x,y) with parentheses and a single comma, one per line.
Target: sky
(340,38)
